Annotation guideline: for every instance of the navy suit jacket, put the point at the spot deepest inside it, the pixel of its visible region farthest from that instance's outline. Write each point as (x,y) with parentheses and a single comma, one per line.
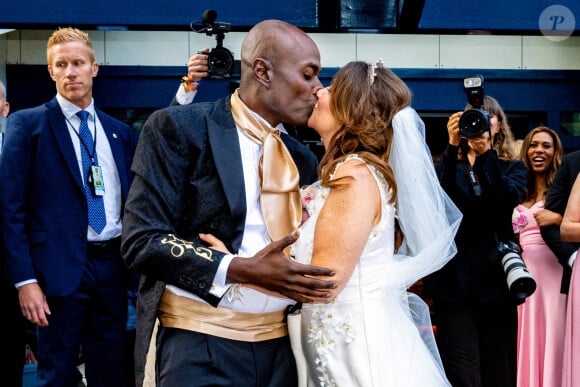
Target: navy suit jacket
(188,180)
(43,209)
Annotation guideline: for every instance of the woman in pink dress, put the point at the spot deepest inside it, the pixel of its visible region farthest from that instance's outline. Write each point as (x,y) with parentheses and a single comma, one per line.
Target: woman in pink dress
(541,319)
(570,232)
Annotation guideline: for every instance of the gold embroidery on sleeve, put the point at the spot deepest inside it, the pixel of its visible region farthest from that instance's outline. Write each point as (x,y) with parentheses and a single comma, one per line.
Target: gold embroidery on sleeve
(178,247)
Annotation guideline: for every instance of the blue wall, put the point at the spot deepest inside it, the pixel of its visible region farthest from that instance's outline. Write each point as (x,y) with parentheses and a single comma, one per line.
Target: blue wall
(443,15)
(177,14)
(541,95)
(503,15)
(433,89)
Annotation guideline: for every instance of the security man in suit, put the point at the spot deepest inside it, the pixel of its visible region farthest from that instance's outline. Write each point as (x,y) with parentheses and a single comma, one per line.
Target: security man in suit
(68,165)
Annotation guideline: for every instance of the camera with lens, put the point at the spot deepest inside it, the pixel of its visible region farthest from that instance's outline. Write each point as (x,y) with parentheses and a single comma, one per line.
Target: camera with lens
(474,122)
(220,60)
(520,282)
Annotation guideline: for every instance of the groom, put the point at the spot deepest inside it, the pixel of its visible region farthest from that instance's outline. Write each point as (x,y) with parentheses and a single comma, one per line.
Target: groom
(216,168)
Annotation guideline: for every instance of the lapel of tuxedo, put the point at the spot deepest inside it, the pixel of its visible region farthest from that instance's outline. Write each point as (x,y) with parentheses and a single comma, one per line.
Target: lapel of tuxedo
(225,148)
(63,140)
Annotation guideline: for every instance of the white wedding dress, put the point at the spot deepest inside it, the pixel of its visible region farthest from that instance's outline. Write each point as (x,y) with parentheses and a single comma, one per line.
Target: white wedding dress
(368,336)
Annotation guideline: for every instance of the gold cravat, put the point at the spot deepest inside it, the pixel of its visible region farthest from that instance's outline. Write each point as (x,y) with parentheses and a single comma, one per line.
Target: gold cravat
(279,180)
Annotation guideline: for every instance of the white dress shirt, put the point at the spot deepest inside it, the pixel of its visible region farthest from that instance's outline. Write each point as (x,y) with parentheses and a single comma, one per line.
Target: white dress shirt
(254,239)
(112,182)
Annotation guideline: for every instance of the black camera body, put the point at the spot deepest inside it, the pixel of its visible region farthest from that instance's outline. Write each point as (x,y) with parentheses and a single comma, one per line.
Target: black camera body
(220,60)
(474,122)
(520,282)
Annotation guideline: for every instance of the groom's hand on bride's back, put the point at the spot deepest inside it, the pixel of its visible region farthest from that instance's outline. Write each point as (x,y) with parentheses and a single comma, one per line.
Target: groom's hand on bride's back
(272,270)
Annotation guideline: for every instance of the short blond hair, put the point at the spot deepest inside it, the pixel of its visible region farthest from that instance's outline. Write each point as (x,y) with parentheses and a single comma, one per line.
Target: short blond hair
(66,35)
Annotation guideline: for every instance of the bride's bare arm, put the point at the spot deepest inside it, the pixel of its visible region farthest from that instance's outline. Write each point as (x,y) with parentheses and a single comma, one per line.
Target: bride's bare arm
(345,222)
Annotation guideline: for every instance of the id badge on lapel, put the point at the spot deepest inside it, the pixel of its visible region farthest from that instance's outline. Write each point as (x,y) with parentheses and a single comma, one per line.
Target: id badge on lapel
(98,182)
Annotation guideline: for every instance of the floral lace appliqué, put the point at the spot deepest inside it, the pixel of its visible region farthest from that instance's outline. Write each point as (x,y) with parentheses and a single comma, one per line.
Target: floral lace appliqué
(325,332)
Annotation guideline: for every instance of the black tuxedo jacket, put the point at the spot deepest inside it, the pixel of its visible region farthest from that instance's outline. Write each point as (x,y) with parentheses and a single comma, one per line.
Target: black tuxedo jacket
(188,180)
(556,201)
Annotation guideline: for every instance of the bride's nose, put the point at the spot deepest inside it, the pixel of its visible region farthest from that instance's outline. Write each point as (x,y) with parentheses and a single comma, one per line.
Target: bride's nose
(321,92)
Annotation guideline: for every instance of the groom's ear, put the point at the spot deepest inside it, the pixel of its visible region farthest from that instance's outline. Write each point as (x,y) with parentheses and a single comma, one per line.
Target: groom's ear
(262,70)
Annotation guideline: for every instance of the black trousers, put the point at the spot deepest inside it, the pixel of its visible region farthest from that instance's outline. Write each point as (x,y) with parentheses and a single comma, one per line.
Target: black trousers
(191,359)
(478,343)
(14,340)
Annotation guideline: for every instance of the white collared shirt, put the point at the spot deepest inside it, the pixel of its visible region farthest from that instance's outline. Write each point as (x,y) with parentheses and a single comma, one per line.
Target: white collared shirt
(255,238)
(112,182)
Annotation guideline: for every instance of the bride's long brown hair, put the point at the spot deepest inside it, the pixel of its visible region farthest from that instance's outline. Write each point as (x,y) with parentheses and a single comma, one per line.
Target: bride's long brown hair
(364,106)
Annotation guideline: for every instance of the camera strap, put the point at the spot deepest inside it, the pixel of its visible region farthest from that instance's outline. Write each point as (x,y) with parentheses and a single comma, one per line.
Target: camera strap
(472,177)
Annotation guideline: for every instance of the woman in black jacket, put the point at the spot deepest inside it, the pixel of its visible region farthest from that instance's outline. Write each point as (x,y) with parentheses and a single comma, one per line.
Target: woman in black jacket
(475,313)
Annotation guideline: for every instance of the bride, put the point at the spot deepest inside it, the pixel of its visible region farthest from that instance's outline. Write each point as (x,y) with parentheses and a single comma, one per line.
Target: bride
(379,218)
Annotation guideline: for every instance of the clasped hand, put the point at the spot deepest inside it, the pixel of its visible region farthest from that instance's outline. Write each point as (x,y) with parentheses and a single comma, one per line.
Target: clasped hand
(272,272)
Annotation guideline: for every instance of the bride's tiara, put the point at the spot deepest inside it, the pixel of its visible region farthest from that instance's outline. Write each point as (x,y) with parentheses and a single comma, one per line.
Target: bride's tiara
(373,69)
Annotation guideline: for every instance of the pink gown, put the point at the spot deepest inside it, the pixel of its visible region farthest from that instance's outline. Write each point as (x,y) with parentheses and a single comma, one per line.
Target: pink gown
(571,368)
(542,318)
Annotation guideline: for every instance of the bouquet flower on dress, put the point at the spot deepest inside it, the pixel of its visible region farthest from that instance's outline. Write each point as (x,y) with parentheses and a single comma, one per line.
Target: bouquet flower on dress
(307,195)
(519,221)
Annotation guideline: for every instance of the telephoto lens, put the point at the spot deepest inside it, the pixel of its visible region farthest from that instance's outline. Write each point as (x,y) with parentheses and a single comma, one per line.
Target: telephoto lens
(520,282)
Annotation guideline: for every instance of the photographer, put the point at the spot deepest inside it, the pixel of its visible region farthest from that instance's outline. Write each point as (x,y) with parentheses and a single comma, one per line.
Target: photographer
(475,314)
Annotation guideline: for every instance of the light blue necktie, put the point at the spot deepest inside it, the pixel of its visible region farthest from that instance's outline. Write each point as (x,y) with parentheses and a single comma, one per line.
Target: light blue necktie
(97,218)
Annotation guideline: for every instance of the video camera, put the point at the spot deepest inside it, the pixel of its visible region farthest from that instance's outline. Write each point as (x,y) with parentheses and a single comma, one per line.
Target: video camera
(474,122)
(220,60)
